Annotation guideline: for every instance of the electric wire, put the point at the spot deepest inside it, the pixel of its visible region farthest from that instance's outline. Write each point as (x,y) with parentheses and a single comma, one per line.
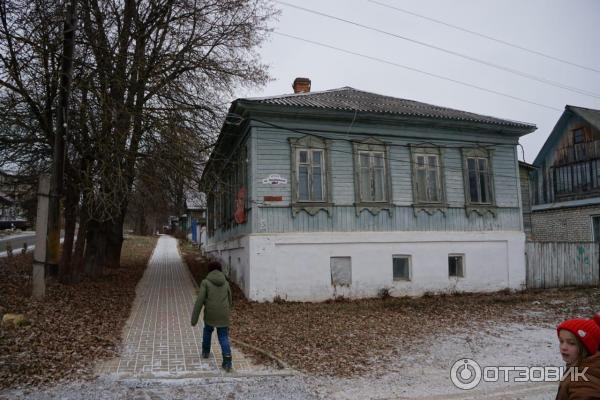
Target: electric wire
(381,60)
(494,39)
(451,52)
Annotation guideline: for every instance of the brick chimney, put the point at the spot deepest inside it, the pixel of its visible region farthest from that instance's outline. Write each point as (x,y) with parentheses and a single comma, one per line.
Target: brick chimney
(301,85)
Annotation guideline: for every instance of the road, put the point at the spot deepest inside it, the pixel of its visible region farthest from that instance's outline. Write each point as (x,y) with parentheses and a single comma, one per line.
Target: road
(16,241)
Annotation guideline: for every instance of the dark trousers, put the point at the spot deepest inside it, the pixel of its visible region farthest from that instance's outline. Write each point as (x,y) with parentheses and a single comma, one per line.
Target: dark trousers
(222,334)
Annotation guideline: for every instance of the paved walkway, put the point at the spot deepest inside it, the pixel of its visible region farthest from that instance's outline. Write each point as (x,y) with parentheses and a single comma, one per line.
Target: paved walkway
(159,341)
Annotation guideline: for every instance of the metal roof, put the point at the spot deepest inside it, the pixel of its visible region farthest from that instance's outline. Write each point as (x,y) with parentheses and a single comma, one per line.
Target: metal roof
(350,99)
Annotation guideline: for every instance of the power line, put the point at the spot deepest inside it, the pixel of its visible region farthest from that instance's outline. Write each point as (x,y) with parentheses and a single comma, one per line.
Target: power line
(454,53)
(415,70)
(504,42)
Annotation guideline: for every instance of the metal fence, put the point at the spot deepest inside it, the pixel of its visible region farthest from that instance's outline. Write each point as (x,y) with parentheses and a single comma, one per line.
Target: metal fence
(561,264)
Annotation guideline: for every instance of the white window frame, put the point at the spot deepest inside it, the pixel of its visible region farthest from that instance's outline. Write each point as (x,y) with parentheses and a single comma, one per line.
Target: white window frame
(371,171)
(409,262)
(427,168)
(478,207)
(487,180)
(310,143)
(372,146)
(310,165)
(464,266)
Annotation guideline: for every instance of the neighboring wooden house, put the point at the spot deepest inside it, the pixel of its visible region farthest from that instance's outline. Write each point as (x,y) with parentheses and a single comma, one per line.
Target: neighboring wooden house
(195,214)
(345,193)
(525,173)
(567,196)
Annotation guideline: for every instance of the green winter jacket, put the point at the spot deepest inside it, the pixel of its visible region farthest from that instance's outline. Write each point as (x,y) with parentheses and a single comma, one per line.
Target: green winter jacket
(215,296)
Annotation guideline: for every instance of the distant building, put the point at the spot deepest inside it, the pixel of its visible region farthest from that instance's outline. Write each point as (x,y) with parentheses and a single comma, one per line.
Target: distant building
(567,182)
(12,193)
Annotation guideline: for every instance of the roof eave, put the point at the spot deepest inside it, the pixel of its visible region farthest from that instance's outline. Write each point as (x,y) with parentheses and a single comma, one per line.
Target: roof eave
(283,111)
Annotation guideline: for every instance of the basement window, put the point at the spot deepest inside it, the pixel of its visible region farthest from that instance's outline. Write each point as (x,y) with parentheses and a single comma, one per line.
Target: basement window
(341,271)
(401,268)
(456,265)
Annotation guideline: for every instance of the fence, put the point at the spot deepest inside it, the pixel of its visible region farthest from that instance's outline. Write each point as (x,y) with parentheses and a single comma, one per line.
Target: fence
(561,264)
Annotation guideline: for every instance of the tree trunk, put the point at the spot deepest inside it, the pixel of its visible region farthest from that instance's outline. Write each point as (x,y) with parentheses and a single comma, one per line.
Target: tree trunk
(114,242)
(65,269)
(141,225)
(77,261)
(95,250)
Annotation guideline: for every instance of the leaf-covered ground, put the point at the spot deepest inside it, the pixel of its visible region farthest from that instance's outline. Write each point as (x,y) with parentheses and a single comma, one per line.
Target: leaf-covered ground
(73,326)
(347,338)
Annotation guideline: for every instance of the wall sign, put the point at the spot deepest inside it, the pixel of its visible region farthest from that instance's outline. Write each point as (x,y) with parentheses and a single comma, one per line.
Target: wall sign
(273,198)
(275,179)
(240,202)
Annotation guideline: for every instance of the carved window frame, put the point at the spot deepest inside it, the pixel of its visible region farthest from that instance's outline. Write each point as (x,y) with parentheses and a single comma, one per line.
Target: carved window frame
(475,207)
(372,145)
(429,207)
(310,143)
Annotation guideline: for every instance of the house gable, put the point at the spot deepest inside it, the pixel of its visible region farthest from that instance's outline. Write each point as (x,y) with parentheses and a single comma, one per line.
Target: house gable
(568,165)
(560,137)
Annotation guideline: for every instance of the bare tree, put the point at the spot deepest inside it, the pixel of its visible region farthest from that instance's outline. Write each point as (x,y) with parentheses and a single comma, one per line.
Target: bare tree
(151,80)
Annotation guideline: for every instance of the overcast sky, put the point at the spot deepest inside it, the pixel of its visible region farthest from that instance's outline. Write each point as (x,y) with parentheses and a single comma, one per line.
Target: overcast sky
(568,30)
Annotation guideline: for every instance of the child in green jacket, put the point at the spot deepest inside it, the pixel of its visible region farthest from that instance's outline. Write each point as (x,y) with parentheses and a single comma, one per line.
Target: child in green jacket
(215,297)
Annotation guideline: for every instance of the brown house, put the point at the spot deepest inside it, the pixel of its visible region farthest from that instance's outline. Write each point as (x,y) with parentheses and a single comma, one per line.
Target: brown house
(566,181)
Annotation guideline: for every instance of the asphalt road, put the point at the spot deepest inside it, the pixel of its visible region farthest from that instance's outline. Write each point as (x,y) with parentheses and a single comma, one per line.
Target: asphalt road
(17,241)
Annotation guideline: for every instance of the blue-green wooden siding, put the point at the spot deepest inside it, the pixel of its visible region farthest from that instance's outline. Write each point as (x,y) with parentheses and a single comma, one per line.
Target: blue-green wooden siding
(270,154)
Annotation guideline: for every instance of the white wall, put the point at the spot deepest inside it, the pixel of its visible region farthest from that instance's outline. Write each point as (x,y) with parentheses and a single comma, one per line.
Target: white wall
(234,256)
(297,266)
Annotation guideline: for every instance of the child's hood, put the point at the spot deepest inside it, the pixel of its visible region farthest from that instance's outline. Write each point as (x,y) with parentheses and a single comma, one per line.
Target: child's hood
(216,277)
(593,364)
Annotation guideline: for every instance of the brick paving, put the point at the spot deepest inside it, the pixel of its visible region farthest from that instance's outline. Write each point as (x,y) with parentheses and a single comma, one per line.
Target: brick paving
(158,338)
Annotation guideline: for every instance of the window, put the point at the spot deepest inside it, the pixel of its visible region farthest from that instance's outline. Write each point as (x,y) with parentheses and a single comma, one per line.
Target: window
(427,178)
(478,175)
(310,170)
(341,271)
(310,177)
(372,186)
(479,180)
(456,265)
(372,176)
(596,228)
(401,268)
(578,136)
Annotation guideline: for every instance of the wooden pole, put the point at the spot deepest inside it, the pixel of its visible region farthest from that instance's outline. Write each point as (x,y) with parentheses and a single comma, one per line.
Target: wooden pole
(41,231)
(52,257)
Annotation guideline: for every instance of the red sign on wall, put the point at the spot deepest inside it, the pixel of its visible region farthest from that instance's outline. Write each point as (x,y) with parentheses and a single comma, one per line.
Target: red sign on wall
(240,206)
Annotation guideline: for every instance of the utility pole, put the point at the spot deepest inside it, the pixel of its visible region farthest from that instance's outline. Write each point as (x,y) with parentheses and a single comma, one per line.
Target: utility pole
(61,132)
(41,230)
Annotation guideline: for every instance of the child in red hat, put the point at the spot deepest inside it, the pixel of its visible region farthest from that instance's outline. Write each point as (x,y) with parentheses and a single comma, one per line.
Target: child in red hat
(579,342)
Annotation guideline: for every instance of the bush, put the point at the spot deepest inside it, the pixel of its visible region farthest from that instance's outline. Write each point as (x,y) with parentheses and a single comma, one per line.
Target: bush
(384,293)
(278,300)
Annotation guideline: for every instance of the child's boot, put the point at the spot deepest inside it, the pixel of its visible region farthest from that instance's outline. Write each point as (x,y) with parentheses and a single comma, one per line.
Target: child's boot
(205,351)
(227,363)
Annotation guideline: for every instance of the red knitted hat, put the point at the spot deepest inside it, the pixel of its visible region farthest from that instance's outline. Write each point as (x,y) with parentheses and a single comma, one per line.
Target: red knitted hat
(586,330)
